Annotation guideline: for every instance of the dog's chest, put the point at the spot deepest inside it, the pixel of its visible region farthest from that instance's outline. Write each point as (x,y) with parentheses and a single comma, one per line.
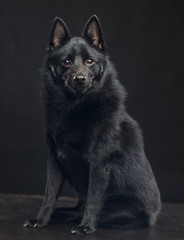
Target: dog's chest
(74,135)
(73,141)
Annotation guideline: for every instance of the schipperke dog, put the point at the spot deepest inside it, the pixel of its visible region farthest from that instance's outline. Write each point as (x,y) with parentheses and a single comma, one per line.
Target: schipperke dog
(93,143)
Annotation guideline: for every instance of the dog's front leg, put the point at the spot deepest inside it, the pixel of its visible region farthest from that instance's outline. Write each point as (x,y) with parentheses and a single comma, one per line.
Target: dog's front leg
(98,182)
(55,180)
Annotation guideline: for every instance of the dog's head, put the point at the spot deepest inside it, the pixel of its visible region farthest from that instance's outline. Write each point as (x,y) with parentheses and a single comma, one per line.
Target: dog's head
(77,63)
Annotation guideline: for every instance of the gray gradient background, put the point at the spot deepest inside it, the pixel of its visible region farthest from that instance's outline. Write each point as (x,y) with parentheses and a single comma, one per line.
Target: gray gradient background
(145,40)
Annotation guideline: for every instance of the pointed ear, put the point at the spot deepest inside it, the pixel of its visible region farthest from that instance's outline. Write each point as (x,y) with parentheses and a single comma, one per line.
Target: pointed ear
(92,32)
(59,34)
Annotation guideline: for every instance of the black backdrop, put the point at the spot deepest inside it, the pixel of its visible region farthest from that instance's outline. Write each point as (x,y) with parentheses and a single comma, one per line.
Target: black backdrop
(146,42)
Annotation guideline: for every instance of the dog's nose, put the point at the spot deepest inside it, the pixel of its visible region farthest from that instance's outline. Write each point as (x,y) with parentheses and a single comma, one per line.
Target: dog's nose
(79,79)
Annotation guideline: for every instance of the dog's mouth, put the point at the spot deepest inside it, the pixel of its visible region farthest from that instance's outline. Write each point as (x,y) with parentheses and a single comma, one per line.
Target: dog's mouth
(79,88)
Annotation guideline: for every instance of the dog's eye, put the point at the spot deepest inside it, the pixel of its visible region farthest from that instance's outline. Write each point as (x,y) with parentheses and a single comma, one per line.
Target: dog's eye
(89,61)
(66,63)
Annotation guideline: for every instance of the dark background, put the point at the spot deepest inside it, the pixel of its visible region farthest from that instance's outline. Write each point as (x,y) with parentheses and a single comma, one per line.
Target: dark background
(146,42)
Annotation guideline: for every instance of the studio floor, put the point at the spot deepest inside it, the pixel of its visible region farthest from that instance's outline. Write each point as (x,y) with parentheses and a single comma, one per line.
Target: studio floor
(14,209)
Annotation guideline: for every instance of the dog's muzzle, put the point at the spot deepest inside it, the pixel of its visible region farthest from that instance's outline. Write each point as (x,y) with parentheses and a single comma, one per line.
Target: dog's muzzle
(78,83)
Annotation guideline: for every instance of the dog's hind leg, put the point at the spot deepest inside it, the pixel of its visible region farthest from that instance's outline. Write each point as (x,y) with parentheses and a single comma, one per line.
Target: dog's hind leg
(80,206)
(126,219)
(122,214)
(66,215)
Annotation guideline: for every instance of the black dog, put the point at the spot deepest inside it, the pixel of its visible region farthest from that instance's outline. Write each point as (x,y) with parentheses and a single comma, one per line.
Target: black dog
(93,143)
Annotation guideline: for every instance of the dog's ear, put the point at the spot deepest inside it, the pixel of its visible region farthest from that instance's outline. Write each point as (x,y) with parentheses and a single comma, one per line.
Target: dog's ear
(59,34)
(92,32)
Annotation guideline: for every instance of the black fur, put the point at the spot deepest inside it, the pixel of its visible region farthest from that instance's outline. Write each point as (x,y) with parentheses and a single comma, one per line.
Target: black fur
(93,143)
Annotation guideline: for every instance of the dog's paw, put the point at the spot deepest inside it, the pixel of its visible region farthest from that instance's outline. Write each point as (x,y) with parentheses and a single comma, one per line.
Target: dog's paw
(82,229)
(35,222)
